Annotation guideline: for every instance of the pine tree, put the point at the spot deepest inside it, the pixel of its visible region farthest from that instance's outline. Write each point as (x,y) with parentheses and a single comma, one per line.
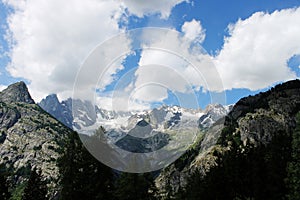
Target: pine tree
(36,188)
(135,186)
(4,189)
(83,177)
(294,166)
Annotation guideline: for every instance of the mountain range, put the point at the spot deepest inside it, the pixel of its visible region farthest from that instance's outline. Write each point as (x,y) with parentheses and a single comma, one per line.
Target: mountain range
(247,151)
(134,131)
(79,115)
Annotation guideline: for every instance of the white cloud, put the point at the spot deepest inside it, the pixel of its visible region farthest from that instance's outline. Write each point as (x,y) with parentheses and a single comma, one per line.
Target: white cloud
(120,102)
(255,54)
(100,68)
(52,38)
(2,87)
(193,30)
(153,82)
(171,61)
(162,7)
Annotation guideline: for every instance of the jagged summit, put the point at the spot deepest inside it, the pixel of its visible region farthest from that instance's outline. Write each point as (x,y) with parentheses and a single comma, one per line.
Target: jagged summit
(60,110)
(17,92)
(86,115)
(50,103)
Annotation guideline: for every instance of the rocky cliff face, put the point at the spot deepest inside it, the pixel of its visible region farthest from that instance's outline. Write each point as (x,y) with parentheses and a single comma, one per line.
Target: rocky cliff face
(17,92)
(61,111)
(257,132)
(29,137)
(257,119)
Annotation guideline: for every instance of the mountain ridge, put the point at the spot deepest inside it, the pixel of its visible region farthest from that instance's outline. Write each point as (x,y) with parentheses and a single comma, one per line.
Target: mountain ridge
(85,114)
(225,163)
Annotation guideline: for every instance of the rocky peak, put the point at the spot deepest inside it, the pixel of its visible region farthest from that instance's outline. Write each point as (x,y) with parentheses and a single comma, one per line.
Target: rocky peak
(28,135)
(213,112)
(51,102)
(62,111)
(17,92)
(213,107)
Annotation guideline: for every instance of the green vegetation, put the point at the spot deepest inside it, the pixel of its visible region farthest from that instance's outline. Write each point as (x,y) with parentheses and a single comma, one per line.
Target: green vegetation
(293,180)
(83,177)
(17,193)
(35,188)
(135,186)
(4,188)
(269,171)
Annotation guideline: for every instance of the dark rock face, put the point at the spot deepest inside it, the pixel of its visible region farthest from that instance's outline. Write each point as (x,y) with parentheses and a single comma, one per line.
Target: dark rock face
(259,118)
(143,145)
(142,129)
(50,103)
(17,92)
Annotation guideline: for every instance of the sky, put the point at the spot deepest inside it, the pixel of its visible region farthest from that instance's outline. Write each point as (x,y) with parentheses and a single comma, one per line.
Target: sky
(195,53)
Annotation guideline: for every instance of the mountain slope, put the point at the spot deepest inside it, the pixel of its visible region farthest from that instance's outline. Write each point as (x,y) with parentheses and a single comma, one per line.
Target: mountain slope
(30,137)
(245,157)
(36,149)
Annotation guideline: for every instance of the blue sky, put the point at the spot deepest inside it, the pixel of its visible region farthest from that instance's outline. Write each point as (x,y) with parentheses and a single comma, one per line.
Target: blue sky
(215,16)
(51,46)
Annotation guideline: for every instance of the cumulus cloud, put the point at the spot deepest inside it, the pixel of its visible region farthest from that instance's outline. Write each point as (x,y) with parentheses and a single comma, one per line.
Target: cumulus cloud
(100,68)
(193,30)
(172,61)
(256,52)
(169,63)
(162,7)
(50,39)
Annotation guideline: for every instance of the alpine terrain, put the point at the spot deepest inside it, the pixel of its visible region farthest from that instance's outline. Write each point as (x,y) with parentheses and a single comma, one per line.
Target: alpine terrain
(246,151)
(120,126)
(40,157)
